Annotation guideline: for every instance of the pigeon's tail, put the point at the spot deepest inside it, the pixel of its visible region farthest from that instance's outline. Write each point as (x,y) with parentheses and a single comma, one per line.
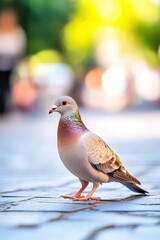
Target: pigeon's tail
(128,180)
(135,188)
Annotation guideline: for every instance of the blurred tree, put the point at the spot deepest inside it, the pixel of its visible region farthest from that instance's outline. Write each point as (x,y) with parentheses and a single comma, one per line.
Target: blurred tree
(134,23)
(42,20)
(73,27)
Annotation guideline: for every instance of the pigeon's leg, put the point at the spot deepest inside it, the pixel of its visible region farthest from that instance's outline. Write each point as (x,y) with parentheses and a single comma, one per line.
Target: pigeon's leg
(84,185)
(78,194)
(89,195)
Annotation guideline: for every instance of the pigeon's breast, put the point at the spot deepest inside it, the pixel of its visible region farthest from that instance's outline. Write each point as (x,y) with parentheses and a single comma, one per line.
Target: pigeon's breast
(73,156)
(68,134)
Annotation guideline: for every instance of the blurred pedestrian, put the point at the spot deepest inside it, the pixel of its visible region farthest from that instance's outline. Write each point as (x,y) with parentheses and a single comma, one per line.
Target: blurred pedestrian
(12,47)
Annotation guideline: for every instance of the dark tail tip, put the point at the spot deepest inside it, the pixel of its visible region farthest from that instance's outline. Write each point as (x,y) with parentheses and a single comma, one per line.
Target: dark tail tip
(145,192)
(135,188)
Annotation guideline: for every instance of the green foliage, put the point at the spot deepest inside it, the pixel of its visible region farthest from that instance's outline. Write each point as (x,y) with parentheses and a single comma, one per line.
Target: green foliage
(138,21)
(74,27)
(42,20)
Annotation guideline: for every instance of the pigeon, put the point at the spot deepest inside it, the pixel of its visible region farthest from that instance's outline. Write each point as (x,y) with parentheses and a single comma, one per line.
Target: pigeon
(86,155)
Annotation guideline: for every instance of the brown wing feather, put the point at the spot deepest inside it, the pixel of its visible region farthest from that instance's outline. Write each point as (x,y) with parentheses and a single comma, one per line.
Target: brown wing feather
(111,165)
(127,177)
(101,157)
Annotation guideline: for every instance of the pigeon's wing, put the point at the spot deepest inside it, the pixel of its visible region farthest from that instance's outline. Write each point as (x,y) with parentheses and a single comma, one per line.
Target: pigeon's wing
(101,157)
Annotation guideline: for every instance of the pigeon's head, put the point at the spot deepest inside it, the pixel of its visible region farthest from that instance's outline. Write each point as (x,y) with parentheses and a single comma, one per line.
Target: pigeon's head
(63,105)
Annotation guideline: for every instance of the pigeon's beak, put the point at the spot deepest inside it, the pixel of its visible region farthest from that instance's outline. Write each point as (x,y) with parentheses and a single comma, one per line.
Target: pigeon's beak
(52,109)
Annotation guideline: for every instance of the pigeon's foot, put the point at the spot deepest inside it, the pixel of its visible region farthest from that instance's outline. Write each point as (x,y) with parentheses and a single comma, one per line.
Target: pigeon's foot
(86,198)
(89,195)
(72,197)
(67,197)
(95,198)
(78,194)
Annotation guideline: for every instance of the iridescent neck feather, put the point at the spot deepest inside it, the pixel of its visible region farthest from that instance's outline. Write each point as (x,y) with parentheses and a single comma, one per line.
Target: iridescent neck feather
(71,123)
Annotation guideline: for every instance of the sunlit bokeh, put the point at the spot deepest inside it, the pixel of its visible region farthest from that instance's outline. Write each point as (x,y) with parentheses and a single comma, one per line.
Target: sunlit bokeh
(95,44)
(93,79)
(114,82)
(147,84)
(24,95)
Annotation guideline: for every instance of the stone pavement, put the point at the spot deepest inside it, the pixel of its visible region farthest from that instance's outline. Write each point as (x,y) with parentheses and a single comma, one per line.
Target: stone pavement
(32,179)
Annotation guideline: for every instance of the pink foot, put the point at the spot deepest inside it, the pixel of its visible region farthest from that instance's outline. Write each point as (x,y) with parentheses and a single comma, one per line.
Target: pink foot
(86,198)
(67,197)
(95,198)
(72,197)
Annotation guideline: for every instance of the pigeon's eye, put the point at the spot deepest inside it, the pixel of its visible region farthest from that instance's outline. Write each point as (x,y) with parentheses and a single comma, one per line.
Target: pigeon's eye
(64,103)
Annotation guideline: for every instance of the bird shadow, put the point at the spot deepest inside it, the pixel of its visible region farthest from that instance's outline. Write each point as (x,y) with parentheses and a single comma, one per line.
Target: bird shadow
(125,199)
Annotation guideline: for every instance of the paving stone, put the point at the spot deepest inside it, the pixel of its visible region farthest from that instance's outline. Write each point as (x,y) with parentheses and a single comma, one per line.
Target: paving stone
(107,218)
(8,184)
(131,233)
(35,192)
(150,232)
(121,207)
(48,206)
(26,219)
(33,177)
(152,214)
(57,230)
(11,199)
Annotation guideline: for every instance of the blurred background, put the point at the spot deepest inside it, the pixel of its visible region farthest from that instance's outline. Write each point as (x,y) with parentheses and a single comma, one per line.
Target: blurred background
(104,53)
(96,49)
